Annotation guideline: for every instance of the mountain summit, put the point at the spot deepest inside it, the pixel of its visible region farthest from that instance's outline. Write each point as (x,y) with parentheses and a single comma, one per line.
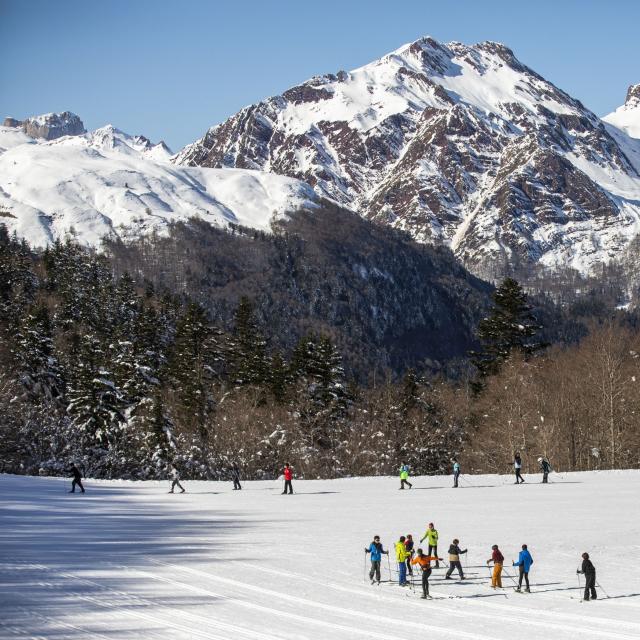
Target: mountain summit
(457,144)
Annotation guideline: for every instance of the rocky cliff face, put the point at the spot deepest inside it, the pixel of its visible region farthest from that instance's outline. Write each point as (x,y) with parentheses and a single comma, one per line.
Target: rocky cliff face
(49,126)
(461,145)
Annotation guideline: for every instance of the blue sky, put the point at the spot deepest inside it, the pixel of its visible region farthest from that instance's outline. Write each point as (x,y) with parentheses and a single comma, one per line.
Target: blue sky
(171,69)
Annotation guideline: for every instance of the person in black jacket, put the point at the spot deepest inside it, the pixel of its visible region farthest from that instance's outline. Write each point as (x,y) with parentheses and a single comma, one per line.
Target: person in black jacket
(589,572)
(454,559)
(77,479)
(235,475)
(545,467)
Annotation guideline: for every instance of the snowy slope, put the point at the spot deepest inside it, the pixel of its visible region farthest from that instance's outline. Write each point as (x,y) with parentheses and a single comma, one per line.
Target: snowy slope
(458,144)
(126,560)
(627,117)
(107,183)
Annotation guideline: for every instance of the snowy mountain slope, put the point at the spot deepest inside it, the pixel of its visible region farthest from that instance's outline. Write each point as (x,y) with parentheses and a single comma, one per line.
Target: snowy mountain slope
(126,560)
(627,117)
(457,144)
(107,183)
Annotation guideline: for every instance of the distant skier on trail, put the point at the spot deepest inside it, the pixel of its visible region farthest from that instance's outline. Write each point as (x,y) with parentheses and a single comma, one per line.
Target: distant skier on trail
(401,558)
(545,467)
(454,559)
(589,572)
(404,476)
(175,479)
(377,551)
(517,467)
(408,545)
(235,476)
(498,562)
(77,478)
(524,565)
(456,473)
(431,535)
(425,565)
(287,472)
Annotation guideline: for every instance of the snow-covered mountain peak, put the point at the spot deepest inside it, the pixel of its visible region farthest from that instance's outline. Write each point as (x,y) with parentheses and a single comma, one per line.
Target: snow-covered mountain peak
(627,116)
(49,126)
(460,144)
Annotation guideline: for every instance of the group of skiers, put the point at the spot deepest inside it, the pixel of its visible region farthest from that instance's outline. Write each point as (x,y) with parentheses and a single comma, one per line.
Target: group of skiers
(545,468)
(407,558)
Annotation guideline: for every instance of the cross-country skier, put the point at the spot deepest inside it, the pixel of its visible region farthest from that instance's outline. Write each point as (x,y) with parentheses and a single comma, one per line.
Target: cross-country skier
(77,479)
(589,572)
(431,535)
(517,467)
(287,472)
(175,479)
(408,545)
(498,561)
(235,476)
(404,476)
(545,467)
(456,473)
(376,550)
(401,558)
(454,559)
(524,564)
(425,565)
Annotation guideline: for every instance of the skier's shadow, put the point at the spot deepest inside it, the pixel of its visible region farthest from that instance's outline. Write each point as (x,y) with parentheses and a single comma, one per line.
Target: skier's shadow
(314,493)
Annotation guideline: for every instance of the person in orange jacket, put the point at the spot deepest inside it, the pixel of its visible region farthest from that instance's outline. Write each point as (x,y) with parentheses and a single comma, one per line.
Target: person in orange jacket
(425,565)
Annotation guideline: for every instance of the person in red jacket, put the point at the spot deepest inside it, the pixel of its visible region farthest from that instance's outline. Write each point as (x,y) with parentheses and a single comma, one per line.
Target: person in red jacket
(288,477)
(498,560)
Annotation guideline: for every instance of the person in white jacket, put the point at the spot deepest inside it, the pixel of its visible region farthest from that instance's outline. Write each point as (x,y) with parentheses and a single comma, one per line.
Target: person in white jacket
(175,479)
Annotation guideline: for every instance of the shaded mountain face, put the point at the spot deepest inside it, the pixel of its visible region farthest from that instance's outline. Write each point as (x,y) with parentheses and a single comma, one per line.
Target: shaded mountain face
(388,302)
(456,144)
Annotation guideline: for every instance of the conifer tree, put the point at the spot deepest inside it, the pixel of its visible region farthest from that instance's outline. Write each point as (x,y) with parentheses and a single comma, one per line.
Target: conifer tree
(510,326)
(247,349)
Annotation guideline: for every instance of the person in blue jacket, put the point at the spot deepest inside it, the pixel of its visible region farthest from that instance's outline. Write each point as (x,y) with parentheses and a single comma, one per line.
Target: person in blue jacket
(456,473)
(376,550)
(524,564)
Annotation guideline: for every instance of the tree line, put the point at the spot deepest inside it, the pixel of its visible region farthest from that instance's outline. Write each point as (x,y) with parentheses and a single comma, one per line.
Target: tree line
(123,377)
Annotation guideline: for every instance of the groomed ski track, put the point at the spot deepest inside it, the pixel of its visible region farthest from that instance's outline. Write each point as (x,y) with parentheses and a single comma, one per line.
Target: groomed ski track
(127,560)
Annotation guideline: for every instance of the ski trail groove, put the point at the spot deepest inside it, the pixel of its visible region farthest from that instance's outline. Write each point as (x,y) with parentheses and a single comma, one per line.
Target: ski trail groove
(372,616)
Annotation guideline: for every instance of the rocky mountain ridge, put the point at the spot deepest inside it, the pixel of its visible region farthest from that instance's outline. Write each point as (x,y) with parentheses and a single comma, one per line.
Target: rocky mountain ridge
(457,144)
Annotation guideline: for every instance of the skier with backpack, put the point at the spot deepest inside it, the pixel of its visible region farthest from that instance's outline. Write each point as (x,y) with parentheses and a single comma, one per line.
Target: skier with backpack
(456,473)
(287,472)
(401,558)
(498,561)
(517,467)
(589,572)
(77,479)
(454,559)
(377,551)
(524,565)
(175,479)
(431,535)
(545,467)
(404,476)
(425,565)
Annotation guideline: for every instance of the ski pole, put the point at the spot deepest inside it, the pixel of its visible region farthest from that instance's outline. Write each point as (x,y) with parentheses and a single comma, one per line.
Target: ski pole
(603,591)
(579,585)
(364,575)
(509,576)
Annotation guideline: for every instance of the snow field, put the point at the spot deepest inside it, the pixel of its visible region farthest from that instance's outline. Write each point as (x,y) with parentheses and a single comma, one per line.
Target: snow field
(127,560)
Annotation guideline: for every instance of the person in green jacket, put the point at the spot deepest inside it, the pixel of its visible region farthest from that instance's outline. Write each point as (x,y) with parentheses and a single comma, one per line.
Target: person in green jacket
(404,476)
(401,558)
(431,535)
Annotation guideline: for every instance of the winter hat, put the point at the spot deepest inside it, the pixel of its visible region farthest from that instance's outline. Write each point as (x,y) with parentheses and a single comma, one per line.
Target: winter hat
(585,556)
(539,459)
(455,541)
(495,546)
